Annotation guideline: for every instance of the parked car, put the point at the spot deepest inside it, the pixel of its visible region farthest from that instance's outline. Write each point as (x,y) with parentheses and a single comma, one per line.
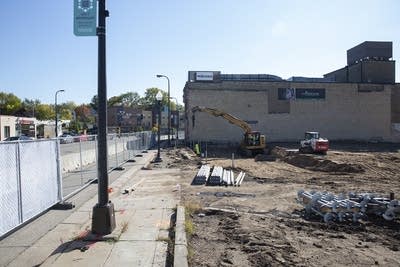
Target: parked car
(18,138)
(66,138)
(80,138)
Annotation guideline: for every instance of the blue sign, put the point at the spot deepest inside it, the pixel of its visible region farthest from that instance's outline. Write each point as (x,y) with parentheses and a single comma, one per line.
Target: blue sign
(85,17)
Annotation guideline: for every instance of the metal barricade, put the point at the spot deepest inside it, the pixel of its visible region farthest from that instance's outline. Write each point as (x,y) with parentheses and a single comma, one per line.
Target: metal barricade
(37,174)
(79,159)
(30,180)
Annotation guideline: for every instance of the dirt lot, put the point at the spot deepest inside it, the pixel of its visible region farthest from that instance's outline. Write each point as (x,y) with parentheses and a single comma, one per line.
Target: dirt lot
(260,223)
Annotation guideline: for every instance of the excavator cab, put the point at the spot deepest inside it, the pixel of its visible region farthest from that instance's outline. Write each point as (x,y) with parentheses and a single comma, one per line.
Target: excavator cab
(252,139)
(254,142)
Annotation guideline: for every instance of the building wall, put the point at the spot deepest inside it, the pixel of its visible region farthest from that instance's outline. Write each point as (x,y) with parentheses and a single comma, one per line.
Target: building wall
(346,113)
(7,121)
(368,71)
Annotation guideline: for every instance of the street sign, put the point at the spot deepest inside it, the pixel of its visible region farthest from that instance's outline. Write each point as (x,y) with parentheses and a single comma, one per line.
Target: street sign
(85,17)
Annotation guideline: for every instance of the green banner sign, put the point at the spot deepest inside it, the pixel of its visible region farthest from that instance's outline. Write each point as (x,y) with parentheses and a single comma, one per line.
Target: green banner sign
(85,17)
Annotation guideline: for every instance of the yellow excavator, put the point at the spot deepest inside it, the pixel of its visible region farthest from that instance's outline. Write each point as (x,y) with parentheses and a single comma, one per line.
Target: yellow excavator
(253,142)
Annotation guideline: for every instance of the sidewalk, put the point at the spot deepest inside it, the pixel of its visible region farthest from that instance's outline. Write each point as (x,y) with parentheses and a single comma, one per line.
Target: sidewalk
(141,238)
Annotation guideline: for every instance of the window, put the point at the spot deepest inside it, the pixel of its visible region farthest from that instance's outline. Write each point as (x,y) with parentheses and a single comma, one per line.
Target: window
(6,131)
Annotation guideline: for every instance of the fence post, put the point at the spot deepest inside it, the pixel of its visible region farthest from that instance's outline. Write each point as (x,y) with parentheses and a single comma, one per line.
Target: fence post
(59,174)
(116,152)
(80,158)
(95,149)
(18,166)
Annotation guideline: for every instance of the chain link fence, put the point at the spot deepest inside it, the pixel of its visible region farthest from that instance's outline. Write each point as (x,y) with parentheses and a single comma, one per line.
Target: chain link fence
(30,180)
(79,158)
(37,174)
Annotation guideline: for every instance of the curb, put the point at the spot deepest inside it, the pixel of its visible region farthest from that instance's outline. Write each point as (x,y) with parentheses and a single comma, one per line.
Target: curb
(180,247)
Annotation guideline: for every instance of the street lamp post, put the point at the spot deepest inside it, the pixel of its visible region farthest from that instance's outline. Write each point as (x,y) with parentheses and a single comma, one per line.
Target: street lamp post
(103,216)
(169,109)
(177,118)
(56,110)
(158,98)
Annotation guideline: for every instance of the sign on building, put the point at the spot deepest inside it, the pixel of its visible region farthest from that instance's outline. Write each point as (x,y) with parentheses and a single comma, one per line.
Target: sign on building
(204,76)
(286,94)
(302,93)
(85,17)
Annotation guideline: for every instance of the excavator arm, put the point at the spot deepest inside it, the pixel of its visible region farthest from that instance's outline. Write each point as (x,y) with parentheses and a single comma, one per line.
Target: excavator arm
(218,113)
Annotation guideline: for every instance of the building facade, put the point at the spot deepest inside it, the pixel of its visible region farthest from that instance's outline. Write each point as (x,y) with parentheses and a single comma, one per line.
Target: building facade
(283,110)
(16,126)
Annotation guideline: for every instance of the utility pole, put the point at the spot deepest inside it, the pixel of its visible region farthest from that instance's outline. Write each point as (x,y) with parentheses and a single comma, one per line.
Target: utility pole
(103,219)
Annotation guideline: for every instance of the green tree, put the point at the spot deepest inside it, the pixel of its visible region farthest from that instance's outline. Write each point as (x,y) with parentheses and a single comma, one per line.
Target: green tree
(9,103)
(29,107)
(149,99)
(94,103)
(44,112)
(130,99)
(65,110)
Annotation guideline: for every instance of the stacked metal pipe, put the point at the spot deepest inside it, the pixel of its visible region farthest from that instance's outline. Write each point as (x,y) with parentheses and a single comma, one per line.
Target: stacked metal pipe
(228,178)
(372,204)
(219,176)
(342,207)
(202,175)
(239,179)
(216,176)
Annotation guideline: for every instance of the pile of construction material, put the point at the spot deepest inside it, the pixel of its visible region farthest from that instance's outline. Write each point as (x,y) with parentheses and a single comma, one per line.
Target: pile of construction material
(202,175)
(349,207)
(218,176)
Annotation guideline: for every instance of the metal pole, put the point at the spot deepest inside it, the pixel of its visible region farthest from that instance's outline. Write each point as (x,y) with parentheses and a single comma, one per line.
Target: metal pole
(158,158)
(80,158)
(56,111)
(169,108)
(169,115)
(177,118)
(103,219)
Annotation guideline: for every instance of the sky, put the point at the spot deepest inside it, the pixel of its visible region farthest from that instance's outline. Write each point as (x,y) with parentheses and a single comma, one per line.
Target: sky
(39,54)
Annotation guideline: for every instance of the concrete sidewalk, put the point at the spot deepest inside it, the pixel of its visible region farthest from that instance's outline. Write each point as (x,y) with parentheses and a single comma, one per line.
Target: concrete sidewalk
(141,238)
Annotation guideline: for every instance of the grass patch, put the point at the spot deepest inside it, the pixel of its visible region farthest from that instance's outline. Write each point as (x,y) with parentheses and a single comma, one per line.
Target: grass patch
(190,209)
(189,227)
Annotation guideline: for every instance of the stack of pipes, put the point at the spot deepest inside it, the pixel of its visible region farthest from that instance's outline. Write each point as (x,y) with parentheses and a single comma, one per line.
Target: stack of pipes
(216,176)
(202,175)
(239,179)
(353,206)
(228,178)
(329,206)
(388,208)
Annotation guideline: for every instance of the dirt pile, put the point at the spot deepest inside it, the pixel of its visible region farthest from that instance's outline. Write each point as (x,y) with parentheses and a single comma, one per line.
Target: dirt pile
(314,163)
(183,158)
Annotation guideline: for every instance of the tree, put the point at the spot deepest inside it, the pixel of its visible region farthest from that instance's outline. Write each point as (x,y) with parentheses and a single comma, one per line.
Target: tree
(130,99)
(9,103)
(94,103)
(44,112)
(149,99)
(65,110)
(29,107)
(83,114)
